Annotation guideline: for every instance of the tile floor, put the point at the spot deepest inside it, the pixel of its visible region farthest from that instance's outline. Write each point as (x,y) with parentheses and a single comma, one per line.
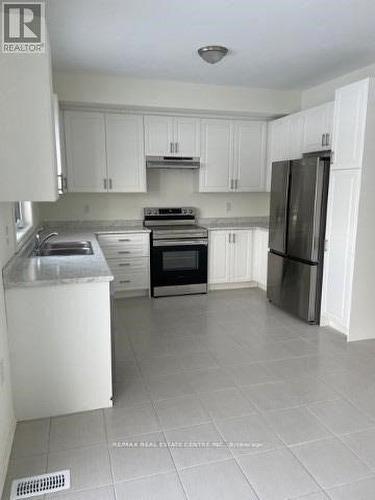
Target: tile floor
(224,368)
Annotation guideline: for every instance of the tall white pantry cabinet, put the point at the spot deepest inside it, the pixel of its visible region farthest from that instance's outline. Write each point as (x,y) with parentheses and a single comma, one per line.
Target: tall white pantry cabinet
(349,271)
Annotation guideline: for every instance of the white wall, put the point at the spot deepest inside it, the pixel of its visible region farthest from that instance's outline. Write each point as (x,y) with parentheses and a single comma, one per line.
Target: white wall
(165,188)
(7,421)
(118,90)
(326,91)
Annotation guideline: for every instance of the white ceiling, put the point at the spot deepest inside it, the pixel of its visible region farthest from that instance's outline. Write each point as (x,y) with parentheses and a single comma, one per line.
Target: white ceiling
(273,43)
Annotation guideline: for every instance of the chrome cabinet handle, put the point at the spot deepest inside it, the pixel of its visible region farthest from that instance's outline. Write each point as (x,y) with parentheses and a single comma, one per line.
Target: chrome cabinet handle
(234,237)
(171,147)
(65,183)
(125,281)
(123,264)
(123,239)
(176,147)
(105,183)
(230,237)
(236,184)
(123,251)
(232,183)
(328,139)
(323,136)
(110,183)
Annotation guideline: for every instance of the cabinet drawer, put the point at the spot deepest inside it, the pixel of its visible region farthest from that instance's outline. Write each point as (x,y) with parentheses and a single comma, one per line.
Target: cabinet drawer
(131,281)
(125,251)
(123,239)
(118,266)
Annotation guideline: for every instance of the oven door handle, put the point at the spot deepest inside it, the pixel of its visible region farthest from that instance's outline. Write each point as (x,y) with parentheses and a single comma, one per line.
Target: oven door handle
(178,243)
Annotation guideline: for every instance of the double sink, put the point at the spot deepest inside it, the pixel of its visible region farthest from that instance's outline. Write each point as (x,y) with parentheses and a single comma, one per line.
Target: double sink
(63,248)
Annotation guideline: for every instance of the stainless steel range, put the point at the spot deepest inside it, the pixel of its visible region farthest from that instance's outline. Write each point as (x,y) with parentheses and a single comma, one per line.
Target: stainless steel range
(178,251)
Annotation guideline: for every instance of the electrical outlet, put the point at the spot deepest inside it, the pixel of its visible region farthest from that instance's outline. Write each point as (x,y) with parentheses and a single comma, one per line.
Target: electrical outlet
(228,206)
(2,373)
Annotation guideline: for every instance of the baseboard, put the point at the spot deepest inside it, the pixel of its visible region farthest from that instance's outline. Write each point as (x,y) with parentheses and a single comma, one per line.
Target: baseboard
(5,456)
(326,320)
(231,286)
(131,293)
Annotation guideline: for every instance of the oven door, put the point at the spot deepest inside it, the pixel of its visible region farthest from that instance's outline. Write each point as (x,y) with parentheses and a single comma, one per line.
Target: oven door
(178,267)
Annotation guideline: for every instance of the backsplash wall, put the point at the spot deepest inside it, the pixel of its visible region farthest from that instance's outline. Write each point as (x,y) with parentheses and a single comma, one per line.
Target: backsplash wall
(165,188)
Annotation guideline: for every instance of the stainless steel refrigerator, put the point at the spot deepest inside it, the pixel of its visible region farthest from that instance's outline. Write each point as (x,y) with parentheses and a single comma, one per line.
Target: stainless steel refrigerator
(299,191)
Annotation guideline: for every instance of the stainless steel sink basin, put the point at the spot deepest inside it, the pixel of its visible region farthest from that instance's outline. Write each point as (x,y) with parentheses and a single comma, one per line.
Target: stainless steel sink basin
(64,248)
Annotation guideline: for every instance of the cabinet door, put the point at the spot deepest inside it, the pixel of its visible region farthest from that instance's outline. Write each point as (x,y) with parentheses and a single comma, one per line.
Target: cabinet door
(125,153)
(60,165)
(218,257)
(342,214)
(249,155)
(241,261)
(216,155)
(296,130)
(27,151)
(159,137)
(278,138)
(85,151)
(349,125)
(317,125)
(260,259)
(187,136)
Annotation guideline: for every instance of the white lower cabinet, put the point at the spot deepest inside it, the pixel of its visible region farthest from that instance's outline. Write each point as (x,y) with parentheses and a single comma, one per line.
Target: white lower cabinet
(238,258)
(260,258)
(127,255)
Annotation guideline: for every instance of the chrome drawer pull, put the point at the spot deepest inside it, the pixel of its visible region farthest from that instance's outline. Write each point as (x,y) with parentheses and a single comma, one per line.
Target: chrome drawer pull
(125,281)
(124,264)
(124,239)
(123,251)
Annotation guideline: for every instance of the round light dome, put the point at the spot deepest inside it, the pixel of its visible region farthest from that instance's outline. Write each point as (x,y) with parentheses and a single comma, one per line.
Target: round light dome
(212,53)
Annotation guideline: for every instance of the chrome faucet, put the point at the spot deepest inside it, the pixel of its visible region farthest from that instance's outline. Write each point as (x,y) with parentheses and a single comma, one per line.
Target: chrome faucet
(40,242)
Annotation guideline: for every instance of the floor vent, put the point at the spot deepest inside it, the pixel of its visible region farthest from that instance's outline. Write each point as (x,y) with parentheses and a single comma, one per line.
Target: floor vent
(28,487)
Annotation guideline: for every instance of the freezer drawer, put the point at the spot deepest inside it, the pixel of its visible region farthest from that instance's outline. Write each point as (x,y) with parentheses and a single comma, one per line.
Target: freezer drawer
(294,286)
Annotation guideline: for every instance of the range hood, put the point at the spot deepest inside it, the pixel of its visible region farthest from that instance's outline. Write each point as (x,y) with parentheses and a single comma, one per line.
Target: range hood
(186,162)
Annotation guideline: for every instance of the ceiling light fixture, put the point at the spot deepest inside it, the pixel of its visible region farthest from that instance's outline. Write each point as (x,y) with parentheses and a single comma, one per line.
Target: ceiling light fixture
(212,53)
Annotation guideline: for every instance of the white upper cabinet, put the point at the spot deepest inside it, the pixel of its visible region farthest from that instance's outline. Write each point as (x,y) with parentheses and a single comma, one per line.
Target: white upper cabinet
(159,135)
(60,164)
(125,153)
(187,136)
(279,139)
(104,152)
(249,155)
(295,135)
(233,155)
(85,151)
(349,125)
(172,136)
(28,146)
(216,155)
(318,128)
